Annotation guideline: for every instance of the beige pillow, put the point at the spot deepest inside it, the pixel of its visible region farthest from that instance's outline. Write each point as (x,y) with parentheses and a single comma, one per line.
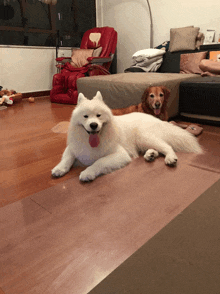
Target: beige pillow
(189,63)
(183,39)
(79,57)
(97,52)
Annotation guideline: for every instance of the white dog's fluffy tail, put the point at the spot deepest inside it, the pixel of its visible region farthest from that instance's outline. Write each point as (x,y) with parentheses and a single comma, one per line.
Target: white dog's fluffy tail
(180,139)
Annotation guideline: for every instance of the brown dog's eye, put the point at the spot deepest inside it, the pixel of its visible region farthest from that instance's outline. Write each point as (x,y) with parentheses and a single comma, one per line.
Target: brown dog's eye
(161,95)
(151,95)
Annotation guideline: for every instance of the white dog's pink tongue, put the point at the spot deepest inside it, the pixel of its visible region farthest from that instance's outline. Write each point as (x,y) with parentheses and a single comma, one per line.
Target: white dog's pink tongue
(94,140)
(156,111)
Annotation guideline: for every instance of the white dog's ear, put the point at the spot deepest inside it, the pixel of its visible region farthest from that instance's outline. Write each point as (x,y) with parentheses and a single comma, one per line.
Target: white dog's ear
(98,96)
(81,98)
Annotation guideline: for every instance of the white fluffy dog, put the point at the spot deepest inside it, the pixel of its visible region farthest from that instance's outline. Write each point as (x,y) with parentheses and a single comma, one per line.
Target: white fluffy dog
(104,142)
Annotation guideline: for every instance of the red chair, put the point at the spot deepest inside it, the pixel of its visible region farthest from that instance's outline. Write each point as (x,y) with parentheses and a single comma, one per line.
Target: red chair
(64,88)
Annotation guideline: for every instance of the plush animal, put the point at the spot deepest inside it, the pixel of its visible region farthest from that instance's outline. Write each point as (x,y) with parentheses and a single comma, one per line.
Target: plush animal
(6,99)
(9,96)
(154,101)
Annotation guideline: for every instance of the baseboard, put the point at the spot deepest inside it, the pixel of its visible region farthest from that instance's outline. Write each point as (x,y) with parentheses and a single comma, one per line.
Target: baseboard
(205,117)
(212,120)
(35,94)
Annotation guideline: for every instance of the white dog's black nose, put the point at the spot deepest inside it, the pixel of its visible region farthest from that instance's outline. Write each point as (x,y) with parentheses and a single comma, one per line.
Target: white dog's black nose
(93,126)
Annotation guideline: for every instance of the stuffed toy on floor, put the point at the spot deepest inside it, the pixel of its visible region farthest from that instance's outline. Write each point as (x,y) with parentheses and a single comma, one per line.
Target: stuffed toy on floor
(9,97)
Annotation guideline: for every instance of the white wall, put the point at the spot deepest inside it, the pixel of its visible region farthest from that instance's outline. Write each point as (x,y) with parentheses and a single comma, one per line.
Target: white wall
(28,69)
(131,20)
(169,14)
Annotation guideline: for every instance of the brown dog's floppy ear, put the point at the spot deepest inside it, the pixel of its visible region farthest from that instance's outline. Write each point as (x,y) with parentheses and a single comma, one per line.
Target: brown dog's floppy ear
(166,93)
(145,94)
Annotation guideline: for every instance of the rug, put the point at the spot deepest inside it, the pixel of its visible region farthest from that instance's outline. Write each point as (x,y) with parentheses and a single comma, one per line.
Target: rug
(184,257)
(69,237)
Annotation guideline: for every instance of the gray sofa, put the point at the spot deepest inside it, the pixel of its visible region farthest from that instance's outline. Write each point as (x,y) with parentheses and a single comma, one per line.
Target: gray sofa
(125,89)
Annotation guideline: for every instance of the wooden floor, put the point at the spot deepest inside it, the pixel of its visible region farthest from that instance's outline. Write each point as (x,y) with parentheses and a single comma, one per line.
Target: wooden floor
(29,149)
(60,236)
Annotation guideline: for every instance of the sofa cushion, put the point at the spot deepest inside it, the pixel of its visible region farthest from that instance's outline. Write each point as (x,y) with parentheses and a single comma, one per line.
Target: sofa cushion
(189,63)
(183,39)
(214,55)
(171,60)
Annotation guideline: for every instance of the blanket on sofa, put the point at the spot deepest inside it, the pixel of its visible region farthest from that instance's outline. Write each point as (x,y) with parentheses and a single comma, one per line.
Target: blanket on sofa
(147,64)
(148,60)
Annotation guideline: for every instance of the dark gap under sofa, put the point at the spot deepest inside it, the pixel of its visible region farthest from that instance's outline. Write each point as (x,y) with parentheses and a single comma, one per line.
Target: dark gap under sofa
(125,89)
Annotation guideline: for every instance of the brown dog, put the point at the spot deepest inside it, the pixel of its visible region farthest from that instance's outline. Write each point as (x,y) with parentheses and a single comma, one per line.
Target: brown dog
(154,102)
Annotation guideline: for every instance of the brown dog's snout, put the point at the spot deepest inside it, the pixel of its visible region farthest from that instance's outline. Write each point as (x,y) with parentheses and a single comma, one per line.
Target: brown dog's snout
(157,104)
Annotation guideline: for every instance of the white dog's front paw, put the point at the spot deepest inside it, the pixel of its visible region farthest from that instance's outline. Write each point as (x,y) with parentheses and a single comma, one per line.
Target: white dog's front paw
(151,154)
(171,159)
(87,175)
(58,171)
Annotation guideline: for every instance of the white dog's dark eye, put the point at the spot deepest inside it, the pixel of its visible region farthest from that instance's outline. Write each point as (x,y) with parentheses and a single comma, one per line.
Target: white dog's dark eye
(98,115)
(86,116)
(151,95)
